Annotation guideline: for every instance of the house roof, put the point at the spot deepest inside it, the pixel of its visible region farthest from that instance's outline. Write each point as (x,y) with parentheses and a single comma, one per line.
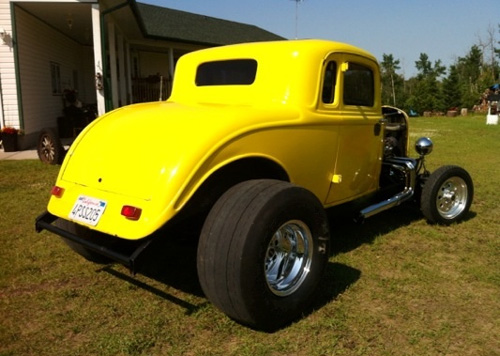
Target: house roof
(169,24)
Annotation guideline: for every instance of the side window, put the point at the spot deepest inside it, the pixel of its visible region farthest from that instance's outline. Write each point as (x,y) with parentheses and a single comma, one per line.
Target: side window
(359,86)
(328,92)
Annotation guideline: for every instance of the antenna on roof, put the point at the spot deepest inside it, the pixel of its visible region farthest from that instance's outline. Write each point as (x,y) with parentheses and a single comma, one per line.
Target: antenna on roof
(297,16)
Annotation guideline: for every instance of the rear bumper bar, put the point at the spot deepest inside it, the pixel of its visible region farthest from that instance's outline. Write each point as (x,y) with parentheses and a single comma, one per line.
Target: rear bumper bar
(46,220)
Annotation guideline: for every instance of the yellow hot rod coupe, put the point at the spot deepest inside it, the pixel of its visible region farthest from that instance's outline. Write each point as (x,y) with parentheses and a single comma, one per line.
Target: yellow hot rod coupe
(255,142)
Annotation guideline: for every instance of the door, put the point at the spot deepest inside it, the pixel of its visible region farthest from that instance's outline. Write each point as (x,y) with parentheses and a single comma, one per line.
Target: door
(360,141)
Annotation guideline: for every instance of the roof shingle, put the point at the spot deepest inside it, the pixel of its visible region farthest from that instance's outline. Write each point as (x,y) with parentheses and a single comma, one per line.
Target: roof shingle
(163,23)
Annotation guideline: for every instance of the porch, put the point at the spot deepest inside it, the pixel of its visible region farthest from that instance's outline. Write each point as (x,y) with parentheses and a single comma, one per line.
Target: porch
(152,88)
(110,52)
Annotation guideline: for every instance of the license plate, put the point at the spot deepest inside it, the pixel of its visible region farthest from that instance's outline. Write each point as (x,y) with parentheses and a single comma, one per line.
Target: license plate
(87,210)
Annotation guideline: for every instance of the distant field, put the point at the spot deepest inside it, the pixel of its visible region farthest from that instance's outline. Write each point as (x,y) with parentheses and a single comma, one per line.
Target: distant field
(395,286)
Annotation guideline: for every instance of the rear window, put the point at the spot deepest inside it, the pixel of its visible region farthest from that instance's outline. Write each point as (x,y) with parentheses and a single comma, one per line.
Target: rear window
(230,72)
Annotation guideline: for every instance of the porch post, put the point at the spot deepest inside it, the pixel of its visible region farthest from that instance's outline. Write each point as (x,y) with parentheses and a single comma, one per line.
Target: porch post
(171,69)
(98,64)
(112,64)
(122,80)
(171,62)
(129,73)
(1,105)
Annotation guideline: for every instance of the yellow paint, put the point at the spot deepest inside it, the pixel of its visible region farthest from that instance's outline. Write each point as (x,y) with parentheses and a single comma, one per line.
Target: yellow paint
(154,156)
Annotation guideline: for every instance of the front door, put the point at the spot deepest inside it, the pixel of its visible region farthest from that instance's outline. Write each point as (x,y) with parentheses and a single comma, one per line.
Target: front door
(360,143)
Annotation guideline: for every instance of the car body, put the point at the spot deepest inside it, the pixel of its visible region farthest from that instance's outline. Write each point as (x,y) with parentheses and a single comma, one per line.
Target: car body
(146,155)
(302,117)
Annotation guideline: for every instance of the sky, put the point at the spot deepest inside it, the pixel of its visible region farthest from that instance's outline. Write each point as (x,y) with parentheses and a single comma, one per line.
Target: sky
(443,29)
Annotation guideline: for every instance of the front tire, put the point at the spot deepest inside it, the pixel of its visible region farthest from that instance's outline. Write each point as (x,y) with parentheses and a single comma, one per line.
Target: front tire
(262,252)
(447,195)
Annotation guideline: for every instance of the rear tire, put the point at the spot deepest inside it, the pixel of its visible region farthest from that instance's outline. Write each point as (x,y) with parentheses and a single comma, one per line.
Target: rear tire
(447,195)
(262,251)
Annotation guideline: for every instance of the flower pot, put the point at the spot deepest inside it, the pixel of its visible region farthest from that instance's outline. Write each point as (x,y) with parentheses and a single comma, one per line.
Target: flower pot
(9,142)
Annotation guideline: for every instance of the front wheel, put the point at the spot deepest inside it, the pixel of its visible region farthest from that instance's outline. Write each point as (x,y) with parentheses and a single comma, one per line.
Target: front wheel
(447,195)
(262,252)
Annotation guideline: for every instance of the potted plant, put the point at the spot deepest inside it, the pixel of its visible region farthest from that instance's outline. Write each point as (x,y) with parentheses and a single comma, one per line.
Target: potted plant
(9,138)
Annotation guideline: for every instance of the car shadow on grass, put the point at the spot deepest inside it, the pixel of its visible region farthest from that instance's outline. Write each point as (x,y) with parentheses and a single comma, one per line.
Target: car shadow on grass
(171,258)
(189,307)
(348,234)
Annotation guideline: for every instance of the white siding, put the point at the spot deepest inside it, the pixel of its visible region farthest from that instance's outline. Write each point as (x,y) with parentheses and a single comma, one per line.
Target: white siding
(38,46)
(9,113)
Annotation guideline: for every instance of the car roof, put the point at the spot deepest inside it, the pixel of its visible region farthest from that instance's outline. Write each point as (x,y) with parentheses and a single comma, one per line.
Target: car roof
(307,47)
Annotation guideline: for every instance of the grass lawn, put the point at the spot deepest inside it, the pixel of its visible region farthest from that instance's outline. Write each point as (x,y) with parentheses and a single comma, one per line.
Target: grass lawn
(395,286)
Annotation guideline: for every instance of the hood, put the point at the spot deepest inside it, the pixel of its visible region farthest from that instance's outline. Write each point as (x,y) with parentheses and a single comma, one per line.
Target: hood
(132,150)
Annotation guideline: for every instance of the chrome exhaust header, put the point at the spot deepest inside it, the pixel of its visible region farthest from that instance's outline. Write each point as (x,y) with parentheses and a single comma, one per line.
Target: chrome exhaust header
(408,167)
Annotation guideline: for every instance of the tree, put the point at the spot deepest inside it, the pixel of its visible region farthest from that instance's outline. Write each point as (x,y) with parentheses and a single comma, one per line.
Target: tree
(427,70)
(426,92)
(497,50)
(389,67)
(464,86)
(469,69)
(489,64)
(451,89)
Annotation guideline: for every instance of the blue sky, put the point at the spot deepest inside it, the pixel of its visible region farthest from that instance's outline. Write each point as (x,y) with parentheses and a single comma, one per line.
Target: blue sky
(443,29)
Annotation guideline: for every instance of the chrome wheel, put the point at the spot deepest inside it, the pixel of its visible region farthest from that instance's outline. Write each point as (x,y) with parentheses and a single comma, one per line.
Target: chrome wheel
(288,258)
(262,252)
(451,199)
(48,149)
(447,195)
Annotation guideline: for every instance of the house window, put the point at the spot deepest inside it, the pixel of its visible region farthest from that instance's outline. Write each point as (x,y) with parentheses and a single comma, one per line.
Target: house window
(359,88)
(232,72)
(55,75)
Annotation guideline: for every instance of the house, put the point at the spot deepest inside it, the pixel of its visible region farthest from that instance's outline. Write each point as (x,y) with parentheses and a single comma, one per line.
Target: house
(110,52)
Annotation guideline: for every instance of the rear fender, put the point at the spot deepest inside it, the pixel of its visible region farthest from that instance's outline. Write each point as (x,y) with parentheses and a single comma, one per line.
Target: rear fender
(201,194)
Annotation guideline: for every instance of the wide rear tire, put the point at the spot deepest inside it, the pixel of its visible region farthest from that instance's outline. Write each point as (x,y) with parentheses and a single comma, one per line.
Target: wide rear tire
(262,252)
(447,195)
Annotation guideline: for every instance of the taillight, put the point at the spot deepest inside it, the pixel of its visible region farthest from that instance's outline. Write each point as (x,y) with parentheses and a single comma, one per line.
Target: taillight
(131,212)
(57,191)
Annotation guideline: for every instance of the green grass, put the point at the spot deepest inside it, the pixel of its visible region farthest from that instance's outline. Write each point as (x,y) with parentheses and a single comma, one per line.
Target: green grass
(396,286)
